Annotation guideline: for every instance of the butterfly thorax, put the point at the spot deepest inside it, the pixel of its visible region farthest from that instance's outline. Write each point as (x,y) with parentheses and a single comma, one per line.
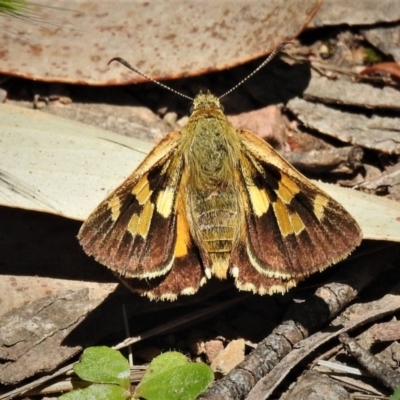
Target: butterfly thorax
(211,146)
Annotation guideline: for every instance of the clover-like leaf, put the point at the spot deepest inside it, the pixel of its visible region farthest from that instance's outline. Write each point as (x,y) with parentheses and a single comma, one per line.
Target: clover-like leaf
(172,377)
(104,365)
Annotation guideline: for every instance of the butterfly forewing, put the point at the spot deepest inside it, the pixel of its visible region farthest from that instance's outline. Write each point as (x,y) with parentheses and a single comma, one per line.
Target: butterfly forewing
(121,231)
(293,228)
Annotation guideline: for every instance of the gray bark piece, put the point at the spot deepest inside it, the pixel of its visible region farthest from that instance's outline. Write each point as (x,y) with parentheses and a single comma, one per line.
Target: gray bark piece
(137,122)
(314,386)
(386,39)
(338,12)
(378,133)
(31,337)
(359,94)
(389,179)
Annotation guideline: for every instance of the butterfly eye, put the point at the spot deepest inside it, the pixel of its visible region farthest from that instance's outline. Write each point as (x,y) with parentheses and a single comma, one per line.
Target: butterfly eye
(222,108)
(191,110)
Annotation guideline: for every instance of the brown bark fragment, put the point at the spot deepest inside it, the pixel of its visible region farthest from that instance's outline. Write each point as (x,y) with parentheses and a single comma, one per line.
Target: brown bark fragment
(342,160)
(31,337)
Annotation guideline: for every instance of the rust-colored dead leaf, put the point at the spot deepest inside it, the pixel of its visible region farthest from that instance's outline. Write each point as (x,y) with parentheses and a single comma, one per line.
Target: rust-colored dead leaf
(164,39)
(267,122)
(390,68)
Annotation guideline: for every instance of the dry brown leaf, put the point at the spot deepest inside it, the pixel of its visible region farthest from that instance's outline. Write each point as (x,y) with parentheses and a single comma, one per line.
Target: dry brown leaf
(267,122)
(164,39)
(229,357)
(27,289)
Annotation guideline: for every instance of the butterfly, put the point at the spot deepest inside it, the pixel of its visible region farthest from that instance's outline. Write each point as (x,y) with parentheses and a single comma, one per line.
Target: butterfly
(210,201)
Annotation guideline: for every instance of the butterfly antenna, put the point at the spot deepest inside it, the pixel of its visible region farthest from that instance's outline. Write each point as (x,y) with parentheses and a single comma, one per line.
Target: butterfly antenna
(266,61)
(129,66)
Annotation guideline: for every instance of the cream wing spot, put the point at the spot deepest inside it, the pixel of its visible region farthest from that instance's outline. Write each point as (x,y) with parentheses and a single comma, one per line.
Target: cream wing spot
(259,200)
(140,224)
(115,205)
(320,202)
(165,201)
(287,189)
(133,224)
(282,217)
(289,184)
(297,224)
(142,191)
(145,219)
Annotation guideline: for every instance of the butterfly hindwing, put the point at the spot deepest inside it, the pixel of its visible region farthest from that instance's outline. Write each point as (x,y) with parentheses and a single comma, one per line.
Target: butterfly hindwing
(186,275)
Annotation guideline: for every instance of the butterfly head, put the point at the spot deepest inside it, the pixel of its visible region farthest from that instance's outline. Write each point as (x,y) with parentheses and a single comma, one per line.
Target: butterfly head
(206,101)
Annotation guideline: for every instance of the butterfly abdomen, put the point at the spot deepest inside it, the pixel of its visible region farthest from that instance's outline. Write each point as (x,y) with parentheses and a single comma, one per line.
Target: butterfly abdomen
(212,146)
(216,220)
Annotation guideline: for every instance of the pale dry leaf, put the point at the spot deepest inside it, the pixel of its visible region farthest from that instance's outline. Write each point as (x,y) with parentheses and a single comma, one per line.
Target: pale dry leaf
(66,168)
(46,161)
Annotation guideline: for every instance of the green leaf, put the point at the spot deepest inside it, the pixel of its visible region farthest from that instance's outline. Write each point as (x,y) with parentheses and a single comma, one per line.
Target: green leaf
(172,377)
(12,6)
(396,394)
(104,365)
(21,9)
(98,392)
(162,363)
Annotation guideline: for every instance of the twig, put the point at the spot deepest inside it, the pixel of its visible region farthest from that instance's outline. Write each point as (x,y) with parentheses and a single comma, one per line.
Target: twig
(372,364)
